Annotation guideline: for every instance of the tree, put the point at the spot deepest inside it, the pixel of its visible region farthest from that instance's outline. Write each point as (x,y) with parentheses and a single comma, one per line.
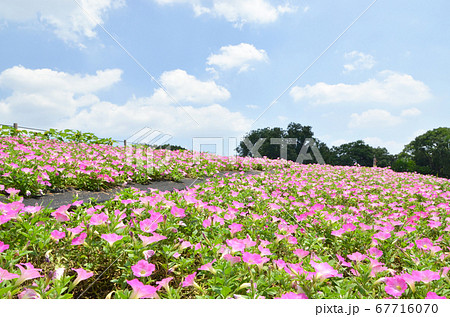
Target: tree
(428,153)
(360,153)
(260,142)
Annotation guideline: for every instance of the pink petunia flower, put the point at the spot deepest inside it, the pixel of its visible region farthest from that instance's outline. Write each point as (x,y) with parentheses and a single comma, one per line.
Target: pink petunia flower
(235,227)
(342,261)
(3,246)
(28,293)
(433,295)
(358,257)
(140,290)
(425,276)
(232,259)
(148,254)
(236,245)
(376,253)
(98,219)
(111,238)
(165,283)
(382,235)
(154,238)
(82,275)
(148,225)
(57,235)
(424,244)
(254,258)
(178,212)
(189,280)
(80,239)
(143,268)
(208,267)
(27,273)
(395,286)
(300,253)
(324,270)
(292,295)
(5,275)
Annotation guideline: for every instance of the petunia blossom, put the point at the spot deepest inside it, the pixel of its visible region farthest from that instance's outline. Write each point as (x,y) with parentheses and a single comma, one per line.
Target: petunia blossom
(292,295)
(140,290)
(82,275)
(395,286)
(28,272)
(111,238)
(143,268)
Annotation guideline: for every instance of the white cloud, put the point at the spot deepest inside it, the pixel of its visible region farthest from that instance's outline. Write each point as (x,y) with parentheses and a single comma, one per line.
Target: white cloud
(252,106)
(186,88)
(392,146)
(412,112)
(238,12)
(360,61)
(391,88)
(46,98)
(237,56)
(67,20)
(373,118)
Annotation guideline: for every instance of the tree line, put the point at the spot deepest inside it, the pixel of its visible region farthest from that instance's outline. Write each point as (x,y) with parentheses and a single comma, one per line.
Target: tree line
(428,153)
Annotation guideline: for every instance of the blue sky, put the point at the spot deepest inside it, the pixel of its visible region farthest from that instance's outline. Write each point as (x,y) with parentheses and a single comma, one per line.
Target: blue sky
(223,62)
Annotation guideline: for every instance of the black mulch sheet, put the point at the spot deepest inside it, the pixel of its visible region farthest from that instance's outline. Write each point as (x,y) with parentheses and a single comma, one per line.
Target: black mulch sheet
(55,200)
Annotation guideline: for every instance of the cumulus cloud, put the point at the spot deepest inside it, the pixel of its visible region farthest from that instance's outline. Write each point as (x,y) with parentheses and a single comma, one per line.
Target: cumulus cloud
(237,56)
(390,88)
(359,61)
(238,12)
(67,20)
(392,146)
(411,112)
(47,98)
(373,118)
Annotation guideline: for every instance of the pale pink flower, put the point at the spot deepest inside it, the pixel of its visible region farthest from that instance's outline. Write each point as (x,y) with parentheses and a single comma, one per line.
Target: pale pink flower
(27,273)
(376,253)
(82,275)
(111,238)
(280,264)
(208,267)
(29,293)
(3,246)
(140,290)
(254,258)
(324,270)
(292,240)
(264,251)
(178,212)
(98,219)
(57,235)
(207,222)
(80,239)
(395,286)
(148,254)
(433,295)
(424,244)
(382,235)
(358,257)
(189,280)
(154,238)
(236,245)
(5,275)
(232,259)
(300,253)
(165,283)
(425,276)
(235,227)
(143,268)
(292,295)
(148,225)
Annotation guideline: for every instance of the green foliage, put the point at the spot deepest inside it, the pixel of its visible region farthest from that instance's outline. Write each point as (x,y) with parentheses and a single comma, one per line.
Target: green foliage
(360,153)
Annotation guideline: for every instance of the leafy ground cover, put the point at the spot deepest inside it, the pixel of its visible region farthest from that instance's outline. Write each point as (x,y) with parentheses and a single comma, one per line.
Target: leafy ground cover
(298,231)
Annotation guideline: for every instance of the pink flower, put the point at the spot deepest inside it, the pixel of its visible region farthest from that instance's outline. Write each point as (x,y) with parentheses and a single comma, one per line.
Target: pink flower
(80,239)
(148,254)
(57,235)
(382,235)
(292,295)
(358,257)
(207,222)
(143,268)
(28,293)
(232,259)
(27,273)
(425,276)
(148,225)
(189,280)
(178,212)
(410,280)
(5,275)
(111,238)
(235,227)
(292,240)
(280,264)
(324,270)
(154,238)
(264,251)
(3,246)
(433,295)
(98,219)
(165,283)
(60,216)
(82,275)
(300,253)
(424,244)
(395,286)
(236,245)
(342,261)
(140,290)
(208,267)
(376,253)
(254,258)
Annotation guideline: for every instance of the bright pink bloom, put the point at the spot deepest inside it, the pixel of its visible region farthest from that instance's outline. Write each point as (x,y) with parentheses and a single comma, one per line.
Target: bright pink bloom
(5,275)
(154,238)
(264,251)
(82,275)
(3,246)
(148,225)
(236,245)
(254,258)
(232,259)
(28,293)
(280,264)
(358,257)
(27,273)
(376,253)
(208,267)
(80,239)
(324,270)
(292,240)
(60,216)
(342,261)
(207,222)
(189,280)
(382,235)
(140,290)
(301,253)
(57,235)
(235,227)
(425,276)
(178,212)
(424,244)
(395,286)
(98,219)
(165,283)
(292,295)
(143,268)
(433,295)
(111,238)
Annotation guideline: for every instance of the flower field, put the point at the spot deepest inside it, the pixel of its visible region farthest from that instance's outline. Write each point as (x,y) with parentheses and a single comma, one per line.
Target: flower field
(295,231)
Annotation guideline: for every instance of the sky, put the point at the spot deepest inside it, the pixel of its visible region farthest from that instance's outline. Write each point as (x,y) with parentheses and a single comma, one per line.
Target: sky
(198,71)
